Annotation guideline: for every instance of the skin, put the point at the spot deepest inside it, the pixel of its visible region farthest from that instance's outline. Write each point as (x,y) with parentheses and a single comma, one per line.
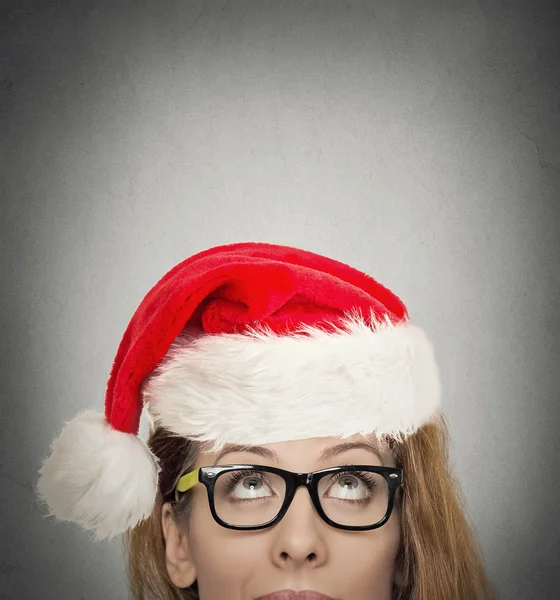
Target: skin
(301,552)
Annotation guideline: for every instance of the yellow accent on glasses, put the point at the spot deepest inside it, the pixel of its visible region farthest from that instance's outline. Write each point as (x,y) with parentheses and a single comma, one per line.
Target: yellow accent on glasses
(188,481)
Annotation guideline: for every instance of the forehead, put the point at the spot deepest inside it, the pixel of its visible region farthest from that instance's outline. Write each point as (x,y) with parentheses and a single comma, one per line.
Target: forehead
(318,448)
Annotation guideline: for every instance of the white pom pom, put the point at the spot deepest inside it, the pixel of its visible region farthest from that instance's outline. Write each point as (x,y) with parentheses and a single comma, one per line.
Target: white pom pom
(98,477)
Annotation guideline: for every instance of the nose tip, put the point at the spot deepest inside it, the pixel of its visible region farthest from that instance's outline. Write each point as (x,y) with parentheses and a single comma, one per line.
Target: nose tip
(311,557)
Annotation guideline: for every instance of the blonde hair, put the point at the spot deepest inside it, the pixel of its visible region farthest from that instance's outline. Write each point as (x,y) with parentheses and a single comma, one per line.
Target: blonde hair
(439,557)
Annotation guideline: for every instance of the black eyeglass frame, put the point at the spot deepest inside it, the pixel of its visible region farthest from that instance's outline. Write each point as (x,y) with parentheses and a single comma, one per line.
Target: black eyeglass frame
(209,475)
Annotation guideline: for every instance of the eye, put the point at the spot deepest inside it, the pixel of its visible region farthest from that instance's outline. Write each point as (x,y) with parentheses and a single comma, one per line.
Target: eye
(351,486)
(248,485)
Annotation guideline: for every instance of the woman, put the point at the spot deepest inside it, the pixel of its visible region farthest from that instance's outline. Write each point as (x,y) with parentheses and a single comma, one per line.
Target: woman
(297,448)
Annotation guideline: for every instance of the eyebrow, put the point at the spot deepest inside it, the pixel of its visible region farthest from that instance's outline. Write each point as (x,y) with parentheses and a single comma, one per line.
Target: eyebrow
(327,453)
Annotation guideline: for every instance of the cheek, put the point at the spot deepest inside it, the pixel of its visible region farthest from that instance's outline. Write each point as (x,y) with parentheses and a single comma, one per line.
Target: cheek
(225,559)
(367,560)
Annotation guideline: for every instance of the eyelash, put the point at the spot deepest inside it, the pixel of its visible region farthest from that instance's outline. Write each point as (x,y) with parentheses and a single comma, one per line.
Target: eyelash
(361,475)
(237,477)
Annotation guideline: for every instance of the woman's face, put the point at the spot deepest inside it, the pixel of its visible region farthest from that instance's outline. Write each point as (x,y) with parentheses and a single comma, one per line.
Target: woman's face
(301,552)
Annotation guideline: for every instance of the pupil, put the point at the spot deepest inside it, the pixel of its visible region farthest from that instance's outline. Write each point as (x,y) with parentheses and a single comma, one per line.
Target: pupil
(251,483)
(349,482)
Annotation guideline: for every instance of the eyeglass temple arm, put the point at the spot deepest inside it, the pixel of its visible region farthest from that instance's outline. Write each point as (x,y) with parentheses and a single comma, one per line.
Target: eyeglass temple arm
(188,481)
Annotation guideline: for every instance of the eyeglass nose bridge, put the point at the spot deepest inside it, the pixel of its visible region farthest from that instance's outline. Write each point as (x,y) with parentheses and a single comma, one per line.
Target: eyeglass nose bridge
(305,479)
(296,481)
(302,479)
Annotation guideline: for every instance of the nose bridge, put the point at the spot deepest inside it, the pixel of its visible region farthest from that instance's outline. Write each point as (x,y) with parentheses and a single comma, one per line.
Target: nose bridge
(302,510)
(303,479)
(299,537)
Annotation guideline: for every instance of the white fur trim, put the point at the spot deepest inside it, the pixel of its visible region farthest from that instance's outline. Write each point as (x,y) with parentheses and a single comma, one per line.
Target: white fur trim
(98,477)
(260,387)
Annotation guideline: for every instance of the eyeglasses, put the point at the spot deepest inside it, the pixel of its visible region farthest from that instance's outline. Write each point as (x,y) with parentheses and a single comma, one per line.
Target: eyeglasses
(249,497)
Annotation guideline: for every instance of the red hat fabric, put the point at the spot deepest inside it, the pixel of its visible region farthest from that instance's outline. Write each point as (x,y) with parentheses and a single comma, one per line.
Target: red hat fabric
(227,289)
(243,343)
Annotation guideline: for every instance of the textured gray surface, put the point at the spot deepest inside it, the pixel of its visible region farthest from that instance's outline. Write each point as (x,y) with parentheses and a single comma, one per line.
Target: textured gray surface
(418,141)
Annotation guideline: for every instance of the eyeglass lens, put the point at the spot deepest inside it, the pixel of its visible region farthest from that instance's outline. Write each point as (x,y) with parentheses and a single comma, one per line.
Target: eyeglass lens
(253,497)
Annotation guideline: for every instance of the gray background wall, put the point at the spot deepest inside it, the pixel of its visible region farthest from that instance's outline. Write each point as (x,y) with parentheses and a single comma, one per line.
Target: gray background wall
(417,141)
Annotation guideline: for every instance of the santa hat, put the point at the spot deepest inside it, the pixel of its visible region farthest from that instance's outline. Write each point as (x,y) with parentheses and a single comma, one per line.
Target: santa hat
(249,343)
